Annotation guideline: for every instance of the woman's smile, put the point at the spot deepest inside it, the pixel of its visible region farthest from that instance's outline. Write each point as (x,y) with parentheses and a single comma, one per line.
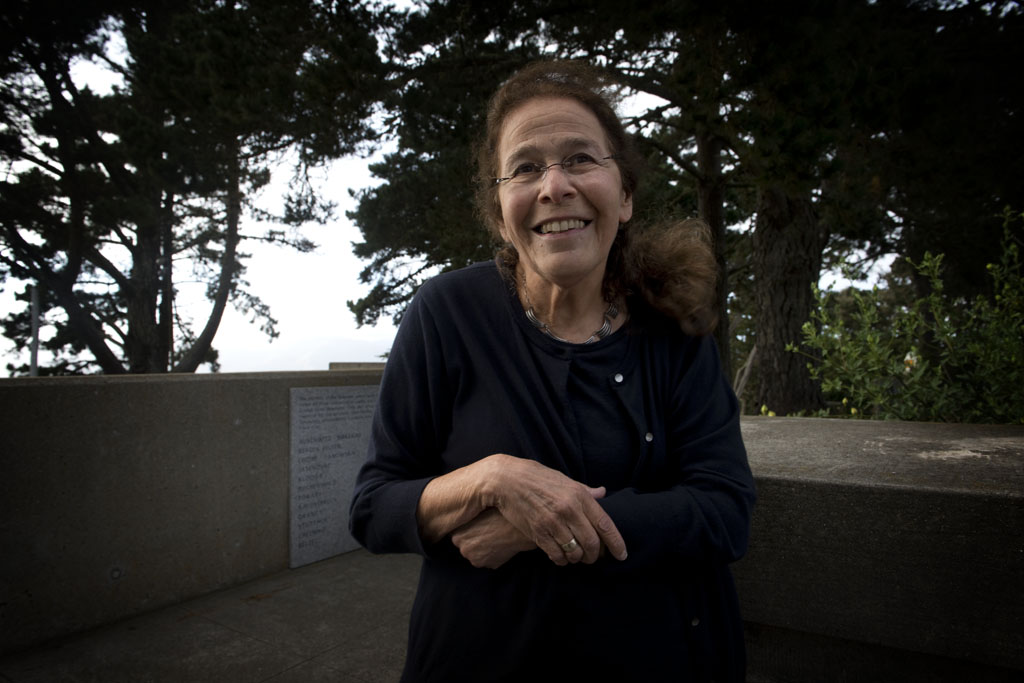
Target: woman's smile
(560,226)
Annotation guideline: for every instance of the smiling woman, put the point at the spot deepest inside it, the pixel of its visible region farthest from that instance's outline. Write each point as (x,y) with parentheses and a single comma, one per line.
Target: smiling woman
(554,434)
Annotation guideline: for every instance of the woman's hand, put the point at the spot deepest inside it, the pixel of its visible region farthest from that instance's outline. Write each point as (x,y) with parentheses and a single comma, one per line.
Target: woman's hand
(552,510)
(490,540)
(548,508)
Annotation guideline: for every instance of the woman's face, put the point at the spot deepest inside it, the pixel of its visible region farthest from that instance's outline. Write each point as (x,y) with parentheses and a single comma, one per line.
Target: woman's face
(562,223)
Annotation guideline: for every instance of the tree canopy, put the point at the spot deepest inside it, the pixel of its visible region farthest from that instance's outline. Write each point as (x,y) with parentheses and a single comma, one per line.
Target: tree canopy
(805,135)
(800,134)
(110,198)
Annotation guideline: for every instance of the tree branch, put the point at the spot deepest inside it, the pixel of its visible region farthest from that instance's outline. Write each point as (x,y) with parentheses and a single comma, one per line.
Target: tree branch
(84,325)
(678,160)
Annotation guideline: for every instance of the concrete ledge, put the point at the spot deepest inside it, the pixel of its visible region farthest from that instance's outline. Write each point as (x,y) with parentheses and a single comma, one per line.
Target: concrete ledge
(885,543)
(880,550)
(119,495)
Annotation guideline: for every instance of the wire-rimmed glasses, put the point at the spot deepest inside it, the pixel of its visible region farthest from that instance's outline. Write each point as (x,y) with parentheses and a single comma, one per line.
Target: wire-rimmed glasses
(574,164)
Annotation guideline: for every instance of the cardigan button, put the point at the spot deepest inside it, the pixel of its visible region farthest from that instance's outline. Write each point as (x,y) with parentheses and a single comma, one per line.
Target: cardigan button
(695,622)
(648,437)
(618,378)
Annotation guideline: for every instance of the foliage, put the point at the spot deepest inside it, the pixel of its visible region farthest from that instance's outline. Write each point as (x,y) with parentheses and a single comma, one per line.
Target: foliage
(112,200)
(832,123)
(938,359)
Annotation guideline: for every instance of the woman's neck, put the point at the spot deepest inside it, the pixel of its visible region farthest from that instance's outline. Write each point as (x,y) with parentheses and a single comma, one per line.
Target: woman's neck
(573,314)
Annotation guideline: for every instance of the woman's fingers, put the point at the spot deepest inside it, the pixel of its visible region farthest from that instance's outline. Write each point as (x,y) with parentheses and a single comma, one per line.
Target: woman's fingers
(560,515)
(586,551)
(489,540)
(599,532)
(606,528)
(608,532)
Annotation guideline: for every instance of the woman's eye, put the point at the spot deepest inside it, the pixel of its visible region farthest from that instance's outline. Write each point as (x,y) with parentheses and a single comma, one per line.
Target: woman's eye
(579,160)
(525,169)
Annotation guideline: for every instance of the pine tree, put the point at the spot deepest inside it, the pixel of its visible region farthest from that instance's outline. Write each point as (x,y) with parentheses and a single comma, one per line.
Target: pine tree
(108,196)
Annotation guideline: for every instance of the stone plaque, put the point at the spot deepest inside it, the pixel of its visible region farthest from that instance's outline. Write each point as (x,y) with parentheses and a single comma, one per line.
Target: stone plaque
(330,430)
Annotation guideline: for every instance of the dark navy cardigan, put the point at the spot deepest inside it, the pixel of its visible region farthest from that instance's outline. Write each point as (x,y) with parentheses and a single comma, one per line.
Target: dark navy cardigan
(469,376)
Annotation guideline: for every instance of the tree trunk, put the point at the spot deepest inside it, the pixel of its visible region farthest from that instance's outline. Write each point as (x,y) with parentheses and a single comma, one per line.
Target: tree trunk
(788,242)
(165,322)
(191,359)
(143,341)
(710,203)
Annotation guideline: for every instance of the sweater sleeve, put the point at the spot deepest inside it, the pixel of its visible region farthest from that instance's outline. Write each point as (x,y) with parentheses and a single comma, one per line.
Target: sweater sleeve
(406,437)
(700,510)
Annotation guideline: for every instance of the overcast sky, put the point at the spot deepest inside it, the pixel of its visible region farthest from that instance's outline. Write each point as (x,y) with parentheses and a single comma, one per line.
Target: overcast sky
(307,294)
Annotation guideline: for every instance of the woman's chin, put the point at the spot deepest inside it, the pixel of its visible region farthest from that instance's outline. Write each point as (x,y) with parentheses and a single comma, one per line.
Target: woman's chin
(567,272)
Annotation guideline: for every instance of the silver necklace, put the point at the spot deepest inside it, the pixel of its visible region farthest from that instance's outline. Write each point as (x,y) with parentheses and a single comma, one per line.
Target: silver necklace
(610,314)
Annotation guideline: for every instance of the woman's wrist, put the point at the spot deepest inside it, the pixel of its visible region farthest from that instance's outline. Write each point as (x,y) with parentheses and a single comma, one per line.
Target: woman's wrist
(492,484)
(451,500)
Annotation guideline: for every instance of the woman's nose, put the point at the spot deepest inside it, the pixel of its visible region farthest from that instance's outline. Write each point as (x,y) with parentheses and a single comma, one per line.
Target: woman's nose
(556,185)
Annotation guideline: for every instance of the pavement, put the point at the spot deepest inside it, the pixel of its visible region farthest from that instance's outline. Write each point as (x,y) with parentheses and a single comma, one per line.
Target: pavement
(342,620)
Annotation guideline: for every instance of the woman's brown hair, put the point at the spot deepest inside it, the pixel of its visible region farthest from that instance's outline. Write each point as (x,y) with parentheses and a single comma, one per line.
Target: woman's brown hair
(669,268)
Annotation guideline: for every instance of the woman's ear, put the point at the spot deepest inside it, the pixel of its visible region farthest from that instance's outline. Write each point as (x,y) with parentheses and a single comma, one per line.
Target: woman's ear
(626,206)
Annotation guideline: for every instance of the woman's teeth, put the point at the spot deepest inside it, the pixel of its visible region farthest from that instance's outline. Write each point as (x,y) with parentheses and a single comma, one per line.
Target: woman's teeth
(560,226)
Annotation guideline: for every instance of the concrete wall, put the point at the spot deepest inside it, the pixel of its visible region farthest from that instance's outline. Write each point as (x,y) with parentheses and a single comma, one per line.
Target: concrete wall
(885,551)
(880,551)
(122,494)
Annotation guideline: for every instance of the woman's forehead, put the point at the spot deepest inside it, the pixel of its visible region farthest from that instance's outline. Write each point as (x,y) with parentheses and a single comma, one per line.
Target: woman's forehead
(549,124)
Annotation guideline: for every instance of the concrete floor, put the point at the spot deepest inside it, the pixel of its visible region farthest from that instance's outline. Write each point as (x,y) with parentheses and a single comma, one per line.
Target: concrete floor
(341,620)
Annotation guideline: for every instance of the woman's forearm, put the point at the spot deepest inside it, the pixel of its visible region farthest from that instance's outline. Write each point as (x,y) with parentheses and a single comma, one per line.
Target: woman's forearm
(452,500)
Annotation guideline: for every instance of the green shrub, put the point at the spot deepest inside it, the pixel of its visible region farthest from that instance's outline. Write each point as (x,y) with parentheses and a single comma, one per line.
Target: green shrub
(934,359)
